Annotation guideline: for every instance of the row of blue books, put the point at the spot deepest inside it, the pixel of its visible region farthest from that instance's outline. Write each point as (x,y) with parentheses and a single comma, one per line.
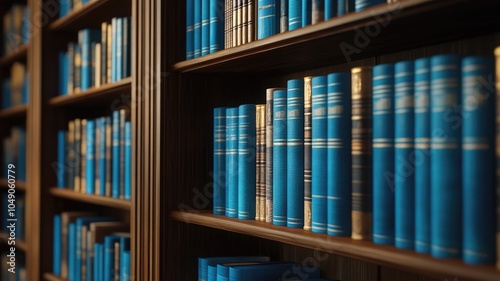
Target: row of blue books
(87,246)
(19,202)
(250,268)
(99,57)
(401,154)
(16,28)
(94,156)
(15,89)
(67,6)
(213,25)
(7,273)
(14,152)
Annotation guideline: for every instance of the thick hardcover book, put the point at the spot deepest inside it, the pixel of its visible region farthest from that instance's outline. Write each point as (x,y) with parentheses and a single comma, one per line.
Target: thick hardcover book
(77,69)
(232,161)
(251,11)
(127,46)
(478,163)
(339,154)
(306,12)
(244,22)
(279,157)
(497,120)
(104,53)
(246,162)
(228,24)
(63,73)
(197,28)
(128,162)
(307,152)
(269,152)
(109,160)
(283,15)
(239,21)
(260,201)
(383,154)
(205,27)
(319,154)
(90,158)
(98,232)
(422,149)
(216,25)
(204,263)
(271,271)
(404,137)
(56,254)
(446,191)
(294,14)
(365,4)
(331,7)
(61,155)
(295,151)
(78,154)
(115,181)
(318,11)
(220,170)
(122,153)
(83,158)
(70,155)
(345,6)
(86,38)
(361,132)
(189,29)
(267,18)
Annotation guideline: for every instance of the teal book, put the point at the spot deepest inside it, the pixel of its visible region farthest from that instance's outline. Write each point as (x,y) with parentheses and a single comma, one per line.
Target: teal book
(189,29)
(279,157)
(86,38)
(232,161)
(56,254)
(216,25)
(205,27)
(272,271)
(205,262)
(115,181)
(219,159)
(294,14)
(197,28)
(123,117)
(306,12)
(61,155)
(90,158)
(246,161)
(128,161)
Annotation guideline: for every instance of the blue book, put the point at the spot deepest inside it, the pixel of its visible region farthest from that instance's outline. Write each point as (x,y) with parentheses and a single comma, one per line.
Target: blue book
(216,25)
(119,49)
(56,255)
(63,73)
(246,161)
(446,191)
(125,265)
(124,249)
(64,8)
(383,154)
(25,89)
(232,161)
(21,156)
(204,263)
(205,27)
(404,182)
(478,160)
(319,154)
(365,4)
(220,170)
(123,113)
(189,29)
(90,158)
(6,96)
(109,256)
(26,25)
(127,47)
(339,154)
(279,157)
(97,262)
(222,269)
(422,149)
(306,12)
(272,272)
(295,151)
(88,36)
(294,14)
(345,6)
(283,14)
(267,13)
(128,161)
(331,7)
(61,156)
(115,182)
(72,252)
(102,155)
(197,28)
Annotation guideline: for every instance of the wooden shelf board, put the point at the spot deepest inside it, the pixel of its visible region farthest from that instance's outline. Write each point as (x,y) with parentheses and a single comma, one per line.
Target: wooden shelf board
(91,14)
(52,277)
(19,54)
(20,244)
(92,199)
(344,246)
(20,185)
(319,45)
(14,111)
(94,94)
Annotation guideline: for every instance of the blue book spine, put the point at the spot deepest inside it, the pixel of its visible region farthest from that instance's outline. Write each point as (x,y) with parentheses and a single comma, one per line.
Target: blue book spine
(128,161)
(56,255)
(383,154)
(21,161)
(446,191)
(97,259)
(345,6)
(295,151)
(109,257)
(232,161)
(339,154)
(126,266)
(294,14)
(115,182)
(119,49)
(114,48)
(189,29)
(478,160)
(246,161)
(63,8)
(61,156)
(404,137)
(283,15)
(197,28)
(89,36)
(365,4)
(306,12)
(319,154)
(90,158)
(279,157)
(205,27)
(26,25)
(220,171)
(267,12)
(422,149)
(102,155)
(25,90)
(72,252)
(63,84)
(216,25)
(331,7)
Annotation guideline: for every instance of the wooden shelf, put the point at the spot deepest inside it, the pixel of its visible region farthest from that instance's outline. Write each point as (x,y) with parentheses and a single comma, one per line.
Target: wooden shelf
(20,185)
(52,277)
(319,45)
(20,244)
(101,94)
(92,199)
(344,246)
(91,14)
(14,111)
(19,54)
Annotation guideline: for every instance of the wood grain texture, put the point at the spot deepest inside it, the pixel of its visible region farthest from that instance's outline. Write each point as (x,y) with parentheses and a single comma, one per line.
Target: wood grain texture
(92,199)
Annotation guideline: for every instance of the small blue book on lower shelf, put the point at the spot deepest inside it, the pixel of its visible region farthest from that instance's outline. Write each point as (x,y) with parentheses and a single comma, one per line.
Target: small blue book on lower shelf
(272,272)
(204,263)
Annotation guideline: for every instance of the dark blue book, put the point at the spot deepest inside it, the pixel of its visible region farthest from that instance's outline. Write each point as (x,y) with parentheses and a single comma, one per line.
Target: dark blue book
(268,18)
(205,262)
(63,73)
(127,46)
(279,157)
(98,261)
(283,15)
(295,151)
(64,7)
(246,161)
(25,89)
(115,181)
(125,266)
(331,7)
(306,12)
(25,29)
(219,159)
(339,154)
(216,25)
(56,255)
(345,6)
(123,117)
(383,154)
(102,155)
(109,256)
(128,161)
(189,29)
(294,14)
(446,191)
(272,272)
(422,149)
(319,154)
(318,11)
(197,28)
(90,158)
(124,249)
(478,160)
(404,137)
(365,4)
(87,37)
(61,155)
(232,161)
(72,252)
(205,27)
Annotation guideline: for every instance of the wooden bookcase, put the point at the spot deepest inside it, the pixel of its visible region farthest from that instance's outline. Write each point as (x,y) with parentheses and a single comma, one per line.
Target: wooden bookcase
(406,30)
